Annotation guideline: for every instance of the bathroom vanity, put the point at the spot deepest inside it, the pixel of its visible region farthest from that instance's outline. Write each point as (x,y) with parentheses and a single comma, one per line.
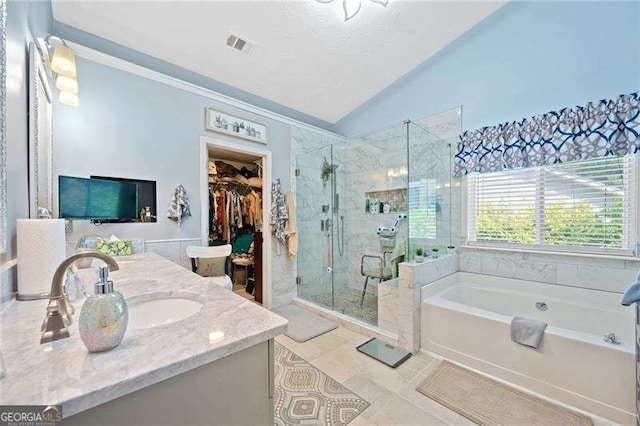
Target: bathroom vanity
(194,353)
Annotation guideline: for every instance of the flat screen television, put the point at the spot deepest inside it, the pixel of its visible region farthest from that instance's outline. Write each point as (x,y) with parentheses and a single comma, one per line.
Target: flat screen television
(146,193)
(97,199)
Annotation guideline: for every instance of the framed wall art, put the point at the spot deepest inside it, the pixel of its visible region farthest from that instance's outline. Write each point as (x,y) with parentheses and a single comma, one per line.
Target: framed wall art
(220,122)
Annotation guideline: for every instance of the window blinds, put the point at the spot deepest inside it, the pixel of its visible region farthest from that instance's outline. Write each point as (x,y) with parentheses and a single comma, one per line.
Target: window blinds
(586,205)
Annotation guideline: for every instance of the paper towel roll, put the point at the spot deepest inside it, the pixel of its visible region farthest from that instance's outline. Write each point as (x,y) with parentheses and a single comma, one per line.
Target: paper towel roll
(41,248)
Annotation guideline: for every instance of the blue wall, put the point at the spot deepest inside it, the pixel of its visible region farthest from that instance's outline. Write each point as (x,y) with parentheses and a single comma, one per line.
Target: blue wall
(103,45)
(26,20)
(527,58)
(132,127)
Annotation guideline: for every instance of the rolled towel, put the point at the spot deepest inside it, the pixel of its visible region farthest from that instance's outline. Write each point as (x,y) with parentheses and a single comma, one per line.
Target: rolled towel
(632,295)
(527,332)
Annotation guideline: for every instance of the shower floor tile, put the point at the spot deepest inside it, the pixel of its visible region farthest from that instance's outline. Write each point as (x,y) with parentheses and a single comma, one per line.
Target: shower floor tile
(347,302)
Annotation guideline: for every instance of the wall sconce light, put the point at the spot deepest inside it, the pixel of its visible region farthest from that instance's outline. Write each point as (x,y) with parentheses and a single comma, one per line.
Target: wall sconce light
(67,84)
(70,99)
(63,64)
(64,60)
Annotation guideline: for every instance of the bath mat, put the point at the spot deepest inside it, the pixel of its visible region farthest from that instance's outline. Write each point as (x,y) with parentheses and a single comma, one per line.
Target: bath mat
(304,325)
(305,395)
(486,401)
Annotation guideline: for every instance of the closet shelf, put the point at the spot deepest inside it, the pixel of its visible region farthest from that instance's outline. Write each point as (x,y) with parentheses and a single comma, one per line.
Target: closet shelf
(220,184)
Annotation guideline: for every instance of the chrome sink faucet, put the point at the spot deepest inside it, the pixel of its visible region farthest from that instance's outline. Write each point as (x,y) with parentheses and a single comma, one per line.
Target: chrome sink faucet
(60,310)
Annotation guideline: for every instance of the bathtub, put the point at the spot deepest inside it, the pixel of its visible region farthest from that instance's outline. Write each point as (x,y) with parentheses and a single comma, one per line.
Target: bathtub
(466,318)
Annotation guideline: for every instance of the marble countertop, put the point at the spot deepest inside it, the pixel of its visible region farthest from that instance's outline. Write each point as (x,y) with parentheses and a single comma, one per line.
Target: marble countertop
(65,373)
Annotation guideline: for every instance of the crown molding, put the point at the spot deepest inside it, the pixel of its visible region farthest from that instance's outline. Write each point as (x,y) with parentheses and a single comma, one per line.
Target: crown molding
(115,62)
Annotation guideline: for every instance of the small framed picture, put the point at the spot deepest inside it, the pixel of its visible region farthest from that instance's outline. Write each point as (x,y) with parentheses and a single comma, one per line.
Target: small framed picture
(220,122)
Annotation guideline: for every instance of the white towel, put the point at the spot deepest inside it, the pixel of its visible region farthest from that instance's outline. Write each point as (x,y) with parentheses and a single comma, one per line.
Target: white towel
(527,332)
(179,206)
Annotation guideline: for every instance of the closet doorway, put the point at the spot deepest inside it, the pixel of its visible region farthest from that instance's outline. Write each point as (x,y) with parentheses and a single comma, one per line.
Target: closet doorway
(236,198)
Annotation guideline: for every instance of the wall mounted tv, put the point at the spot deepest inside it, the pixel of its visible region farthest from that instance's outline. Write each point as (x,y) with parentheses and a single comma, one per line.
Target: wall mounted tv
(146,195)
(107,200)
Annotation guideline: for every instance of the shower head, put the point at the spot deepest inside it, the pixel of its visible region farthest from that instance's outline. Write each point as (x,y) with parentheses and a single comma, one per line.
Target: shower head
(328,170)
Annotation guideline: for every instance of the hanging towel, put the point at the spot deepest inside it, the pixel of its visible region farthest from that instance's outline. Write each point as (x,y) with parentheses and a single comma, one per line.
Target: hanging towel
(291,229)
(398,255)
(179,205)
(527,332)
(632,295)
(279,214)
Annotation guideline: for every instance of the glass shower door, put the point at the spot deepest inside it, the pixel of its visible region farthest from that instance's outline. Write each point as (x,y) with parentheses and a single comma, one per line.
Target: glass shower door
(363,206)
(314,201)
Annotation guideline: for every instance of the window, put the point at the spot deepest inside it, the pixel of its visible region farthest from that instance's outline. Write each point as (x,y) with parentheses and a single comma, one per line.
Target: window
(422,208)
(587,206)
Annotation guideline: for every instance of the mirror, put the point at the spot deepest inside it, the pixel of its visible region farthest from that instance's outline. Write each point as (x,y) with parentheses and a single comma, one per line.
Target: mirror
(40,140)
(3,139)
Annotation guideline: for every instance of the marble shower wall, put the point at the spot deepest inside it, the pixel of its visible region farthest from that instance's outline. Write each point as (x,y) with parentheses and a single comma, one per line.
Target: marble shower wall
(414,276)
(283,275)
(376,162)
(388,306)
(607,274)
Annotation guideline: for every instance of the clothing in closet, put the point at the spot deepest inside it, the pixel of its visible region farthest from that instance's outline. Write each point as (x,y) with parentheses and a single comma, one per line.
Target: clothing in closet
(232,210)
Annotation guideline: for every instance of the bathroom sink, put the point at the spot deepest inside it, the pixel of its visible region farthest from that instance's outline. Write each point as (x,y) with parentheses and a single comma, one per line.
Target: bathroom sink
(153,313)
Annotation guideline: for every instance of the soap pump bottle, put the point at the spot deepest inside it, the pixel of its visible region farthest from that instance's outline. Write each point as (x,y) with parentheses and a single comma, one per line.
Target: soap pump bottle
(104,316)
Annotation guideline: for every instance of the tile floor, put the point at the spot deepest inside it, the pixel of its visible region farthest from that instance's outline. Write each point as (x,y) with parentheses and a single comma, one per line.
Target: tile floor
(347,301)
(391,392)
(239,289)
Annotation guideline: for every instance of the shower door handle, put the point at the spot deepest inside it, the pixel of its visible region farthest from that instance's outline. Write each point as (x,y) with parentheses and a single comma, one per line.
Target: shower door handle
(325,226)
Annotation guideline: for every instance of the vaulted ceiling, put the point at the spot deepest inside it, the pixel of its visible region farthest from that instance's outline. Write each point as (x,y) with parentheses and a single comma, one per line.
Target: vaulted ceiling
(304,55)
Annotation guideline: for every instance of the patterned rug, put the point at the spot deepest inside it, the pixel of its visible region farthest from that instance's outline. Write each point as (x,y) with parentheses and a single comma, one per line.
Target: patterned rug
(305,395)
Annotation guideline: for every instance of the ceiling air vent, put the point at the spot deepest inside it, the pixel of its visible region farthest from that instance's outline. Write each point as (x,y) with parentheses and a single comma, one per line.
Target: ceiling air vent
(239,43)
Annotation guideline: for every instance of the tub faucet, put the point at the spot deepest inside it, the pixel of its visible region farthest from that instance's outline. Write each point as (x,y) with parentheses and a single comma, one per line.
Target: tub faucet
(60,310)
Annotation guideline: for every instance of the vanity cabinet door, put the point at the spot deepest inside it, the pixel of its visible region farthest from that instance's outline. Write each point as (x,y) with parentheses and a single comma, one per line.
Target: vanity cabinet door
(234,390)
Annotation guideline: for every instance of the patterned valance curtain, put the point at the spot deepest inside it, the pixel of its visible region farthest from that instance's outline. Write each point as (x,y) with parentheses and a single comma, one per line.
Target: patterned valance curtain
(599,129)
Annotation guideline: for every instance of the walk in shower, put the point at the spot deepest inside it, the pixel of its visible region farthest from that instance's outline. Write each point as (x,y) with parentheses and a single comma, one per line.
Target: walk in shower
(363,206)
